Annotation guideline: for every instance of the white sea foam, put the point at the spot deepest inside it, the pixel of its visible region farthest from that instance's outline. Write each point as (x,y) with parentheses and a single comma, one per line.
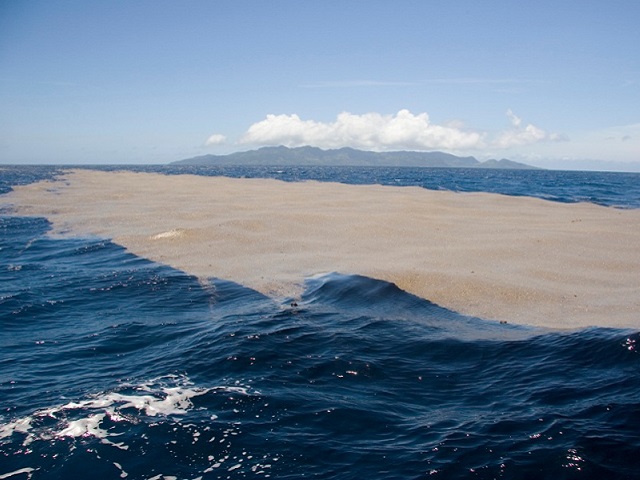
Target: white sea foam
(85,418)
(173,233)
(89,426)
(28,470)
(22,425)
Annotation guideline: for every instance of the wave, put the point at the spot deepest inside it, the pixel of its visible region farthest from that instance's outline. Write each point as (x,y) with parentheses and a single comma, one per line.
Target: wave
(139,420)
(356,379)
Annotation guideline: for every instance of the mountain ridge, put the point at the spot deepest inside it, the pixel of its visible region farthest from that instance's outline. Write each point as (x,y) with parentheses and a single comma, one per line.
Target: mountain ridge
(346,156)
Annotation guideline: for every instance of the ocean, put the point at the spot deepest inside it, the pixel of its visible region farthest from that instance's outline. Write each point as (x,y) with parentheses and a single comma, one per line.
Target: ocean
(112,366)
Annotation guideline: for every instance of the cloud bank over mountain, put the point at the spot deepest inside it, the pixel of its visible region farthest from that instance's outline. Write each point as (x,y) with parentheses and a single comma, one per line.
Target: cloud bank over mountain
(372,131)
(381,132)
(216,139)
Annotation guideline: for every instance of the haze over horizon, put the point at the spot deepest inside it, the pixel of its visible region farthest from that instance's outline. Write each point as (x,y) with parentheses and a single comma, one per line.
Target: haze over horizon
(549,84)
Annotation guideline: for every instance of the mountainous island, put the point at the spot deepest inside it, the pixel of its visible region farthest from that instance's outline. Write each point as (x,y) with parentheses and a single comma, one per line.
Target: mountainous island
(312,156)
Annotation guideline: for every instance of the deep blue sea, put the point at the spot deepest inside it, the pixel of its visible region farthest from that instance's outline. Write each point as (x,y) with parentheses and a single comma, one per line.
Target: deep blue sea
(112,366)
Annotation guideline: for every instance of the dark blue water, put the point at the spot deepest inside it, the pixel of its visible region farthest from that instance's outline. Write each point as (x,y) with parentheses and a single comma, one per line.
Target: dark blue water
(112,366)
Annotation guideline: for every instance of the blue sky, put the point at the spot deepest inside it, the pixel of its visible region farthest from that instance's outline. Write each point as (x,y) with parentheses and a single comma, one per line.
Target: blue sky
(552,83)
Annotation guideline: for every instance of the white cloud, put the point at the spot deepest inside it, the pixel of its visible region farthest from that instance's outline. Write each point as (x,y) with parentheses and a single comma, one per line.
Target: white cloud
(519,136)
(378,132)
(215,139)
(515,120)
(372,131)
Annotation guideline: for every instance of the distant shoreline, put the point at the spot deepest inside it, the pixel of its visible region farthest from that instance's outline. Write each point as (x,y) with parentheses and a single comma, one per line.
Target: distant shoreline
(308,156)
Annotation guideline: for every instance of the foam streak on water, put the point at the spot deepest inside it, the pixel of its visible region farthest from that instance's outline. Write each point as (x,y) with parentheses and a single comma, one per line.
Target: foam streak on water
(117,366)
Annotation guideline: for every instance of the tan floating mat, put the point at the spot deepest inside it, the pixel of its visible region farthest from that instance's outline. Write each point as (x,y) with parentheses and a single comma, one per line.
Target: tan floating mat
(515,259)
